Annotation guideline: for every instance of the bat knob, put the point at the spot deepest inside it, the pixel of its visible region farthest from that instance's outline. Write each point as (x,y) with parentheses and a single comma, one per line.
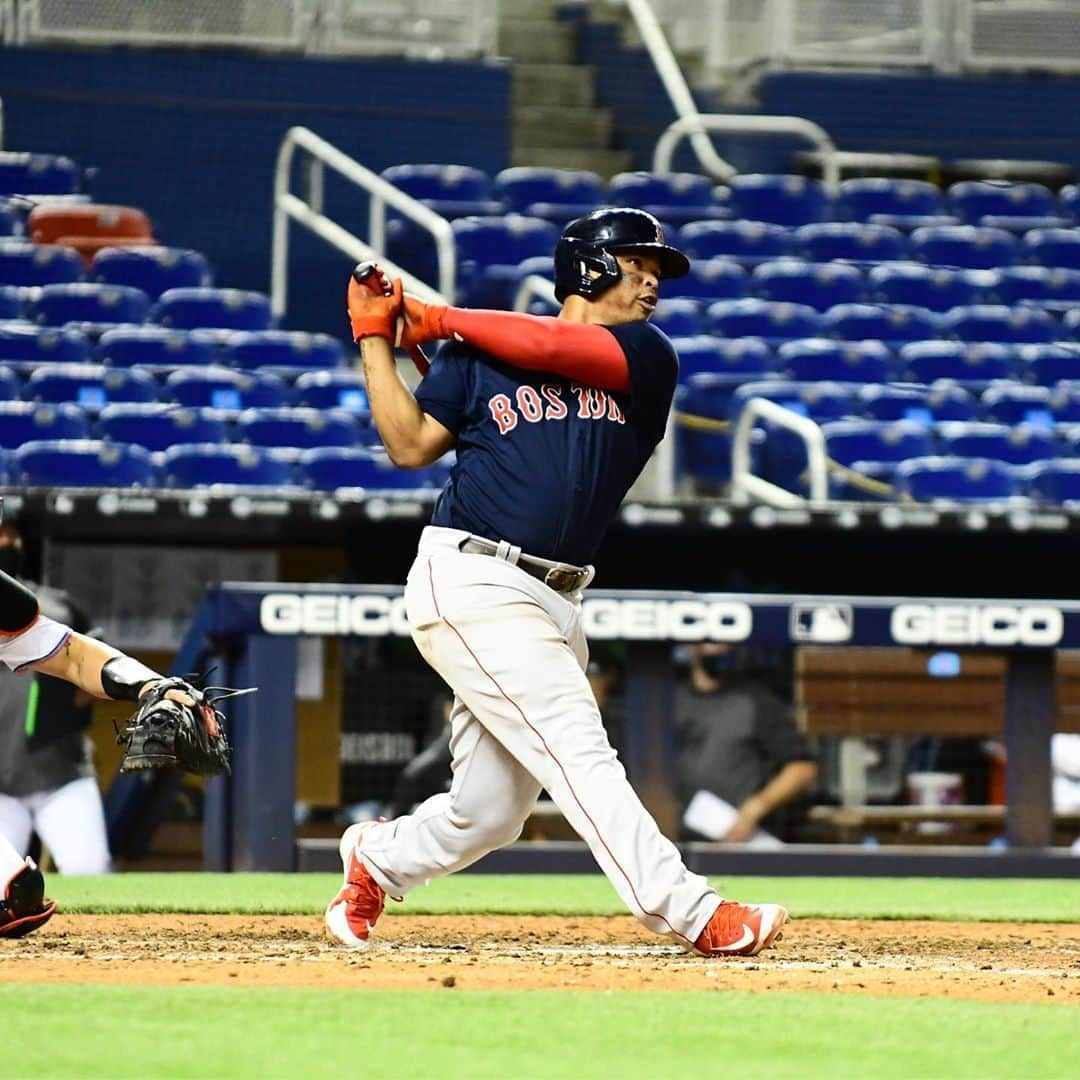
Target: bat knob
(362,271)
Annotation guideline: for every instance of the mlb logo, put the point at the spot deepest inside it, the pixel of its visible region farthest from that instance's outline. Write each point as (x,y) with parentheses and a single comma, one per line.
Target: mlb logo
(823,624)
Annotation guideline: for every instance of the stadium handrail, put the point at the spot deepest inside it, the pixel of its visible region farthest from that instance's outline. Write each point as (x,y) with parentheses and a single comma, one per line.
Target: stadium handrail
(745,484)
(309,213)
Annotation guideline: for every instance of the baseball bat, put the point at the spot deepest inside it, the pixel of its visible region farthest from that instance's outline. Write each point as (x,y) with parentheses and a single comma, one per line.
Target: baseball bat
(361,272)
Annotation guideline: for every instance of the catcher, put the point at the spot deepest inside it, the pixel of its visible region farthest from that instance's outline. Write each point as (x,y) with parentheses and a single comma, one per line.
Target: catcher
(176,723)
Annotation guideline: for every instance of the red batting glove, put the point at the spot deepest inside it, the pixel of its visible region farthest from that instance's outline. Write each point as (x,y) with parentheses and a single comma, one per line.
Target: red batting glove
(373,311)
(422,322)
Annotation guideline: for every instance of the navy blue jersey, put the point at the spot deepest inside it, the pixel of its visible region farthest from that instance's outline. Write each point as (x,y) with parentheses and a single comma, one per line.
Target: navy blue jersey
(542,461)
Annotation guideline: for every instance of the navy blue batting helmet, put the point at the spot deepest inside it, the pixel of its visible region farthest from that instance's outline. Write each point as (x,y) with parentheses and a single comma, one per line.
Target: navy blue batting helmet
(590,244)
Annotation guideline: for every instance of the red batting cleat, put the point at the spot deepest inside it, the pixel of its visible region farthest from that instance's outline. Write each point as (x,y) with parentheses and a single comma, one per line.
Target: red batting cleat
(740,929)
(23,906)
(352,914)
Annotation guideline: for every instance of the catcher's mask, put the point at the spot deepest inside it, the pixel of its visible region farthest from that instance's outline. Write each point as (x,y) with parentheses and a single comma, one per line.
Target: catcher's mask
(591,243)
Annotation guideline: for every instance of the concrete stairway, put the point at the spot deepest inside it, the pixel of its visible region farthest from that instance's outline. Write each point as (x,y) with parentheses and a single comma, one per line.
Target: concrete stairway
(555,119)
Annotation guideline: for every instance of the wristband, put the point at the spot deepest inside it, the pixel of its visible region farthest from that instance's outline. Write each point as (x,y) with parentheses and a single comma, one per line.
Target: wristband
(123,678)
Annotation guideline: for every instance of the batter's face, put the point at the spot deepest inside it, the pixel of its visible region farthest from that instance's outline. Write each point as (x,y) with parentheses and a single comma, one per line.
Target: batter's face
(633,299)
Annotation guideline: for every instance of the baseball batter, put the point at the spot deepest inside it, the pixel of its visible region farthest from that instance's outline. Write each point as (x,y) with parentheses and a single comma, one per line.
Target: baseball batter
(31,641)
(552,420)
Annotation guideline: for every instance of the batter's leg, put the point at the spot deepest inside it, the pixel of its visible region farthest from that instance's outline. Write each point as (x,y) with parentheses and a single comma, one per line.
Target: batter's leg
(16,826)
(507,654)
(488,802)
(71,824)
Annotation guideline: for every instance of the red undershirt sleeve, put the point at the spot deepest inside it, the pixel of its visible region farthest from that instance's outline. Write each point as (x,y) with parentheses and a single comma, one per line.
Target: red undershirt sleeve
(543,343)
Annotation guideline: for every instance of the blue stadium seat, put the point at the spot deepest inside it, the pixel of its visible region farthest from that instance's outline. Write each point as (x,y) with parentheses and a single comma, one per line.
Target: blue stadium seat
(1054,289)
(221,309)
(487,241)
(90,385)
(956,479)
(37,174)
(299,428)
(1052,247)
(26,343)
(9,384)
(341,389)
(943,401)
(152,269)
(1006,204)
(1046,365)
(1018,444)
(155,346)
(1070,322)
(562,194)
(820,401)
(450,190)
(848,441)
(1069,201)
(95,463)
(223,388)
(996,322)
(89,302)
(282,349)
(1065,404)
(157,427)
(748,242)
(497,286)
(820,285)
(27,421)
(766,319)
(930,287)
(11,305)
(11,224)
(710,279)
(1010,403)
(783,200)
(678,318)
(902,204)
(675,197)
(1055,483)
(369,467)
(835,361)
(210,464)
(22,263)
(891,323)
(928,361)
(850,241)
(747,356)
(968,247)
(702,453)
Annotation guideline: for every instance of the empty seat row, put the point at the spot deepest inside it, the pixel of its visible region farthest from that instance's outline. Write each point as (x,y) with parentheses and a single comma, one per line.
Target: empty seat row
(26,345)
(102,306)
(94,387)
(151,268)
(96,463)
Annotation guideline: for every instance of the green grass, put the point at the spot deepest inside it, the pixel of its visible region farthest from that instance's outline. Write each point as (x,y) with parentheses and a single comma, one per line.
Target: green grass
(116,1032)
(1001,900)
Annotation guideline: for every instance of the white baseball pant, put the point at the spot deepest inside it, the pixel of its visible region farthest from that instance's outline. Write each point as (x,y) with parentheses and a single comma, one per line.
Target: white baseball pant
(524,718)
(70,822)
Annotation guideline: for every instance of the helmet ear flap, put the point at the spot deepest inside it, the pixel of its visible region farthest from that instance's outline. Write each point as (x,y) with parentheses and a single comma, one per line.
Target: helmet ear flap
(574,260)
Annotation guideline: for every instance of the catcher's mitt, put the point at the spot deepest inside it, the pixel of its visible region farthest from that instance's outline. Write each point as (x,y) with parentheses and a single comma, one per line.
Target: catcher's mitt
(166,732)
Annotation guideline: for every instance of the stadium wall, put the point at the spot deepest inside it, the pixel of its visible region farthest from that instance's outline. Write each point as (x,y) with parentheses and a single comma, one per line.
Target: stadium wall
(192,137)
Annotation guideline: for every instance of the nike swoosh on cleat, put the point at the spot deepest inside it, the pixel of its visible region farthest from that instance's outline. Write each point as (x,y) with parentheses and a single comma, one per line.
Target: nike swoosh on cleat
(747,938)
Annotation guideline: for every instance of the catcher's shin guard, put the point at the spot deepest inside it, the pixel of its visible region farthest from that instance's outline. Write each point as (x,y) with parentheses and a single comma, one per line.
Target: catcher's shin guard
(23,906)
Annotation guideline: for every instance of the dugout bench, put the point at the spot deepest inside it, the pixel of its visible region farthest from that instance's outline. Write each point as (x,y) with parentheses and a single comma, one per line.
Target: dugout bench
(253,629)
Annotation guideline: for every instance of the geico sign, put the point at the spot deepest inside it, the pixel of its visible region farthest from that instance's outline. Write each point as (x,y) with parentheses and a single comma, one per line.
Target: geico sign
(667,620)
(315,613)
(976,624)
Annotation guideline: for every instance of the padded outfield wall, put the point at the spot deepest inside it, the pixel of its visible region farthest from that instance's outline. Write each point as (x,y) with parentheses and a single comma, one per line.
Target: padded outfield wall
(192,137)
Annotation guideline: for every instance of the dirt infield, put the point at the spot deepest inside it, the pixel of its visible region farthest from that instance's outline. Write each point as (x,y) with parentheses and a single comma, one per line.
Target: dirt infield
(987,961)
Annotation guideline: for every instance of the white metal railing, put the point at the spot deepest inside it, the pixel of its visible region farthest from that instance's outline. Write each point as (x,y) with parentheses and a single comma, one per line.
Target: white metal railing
(269,24)
(309,213)
(667,67)
(534,287)
(746,485)
(735,124)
